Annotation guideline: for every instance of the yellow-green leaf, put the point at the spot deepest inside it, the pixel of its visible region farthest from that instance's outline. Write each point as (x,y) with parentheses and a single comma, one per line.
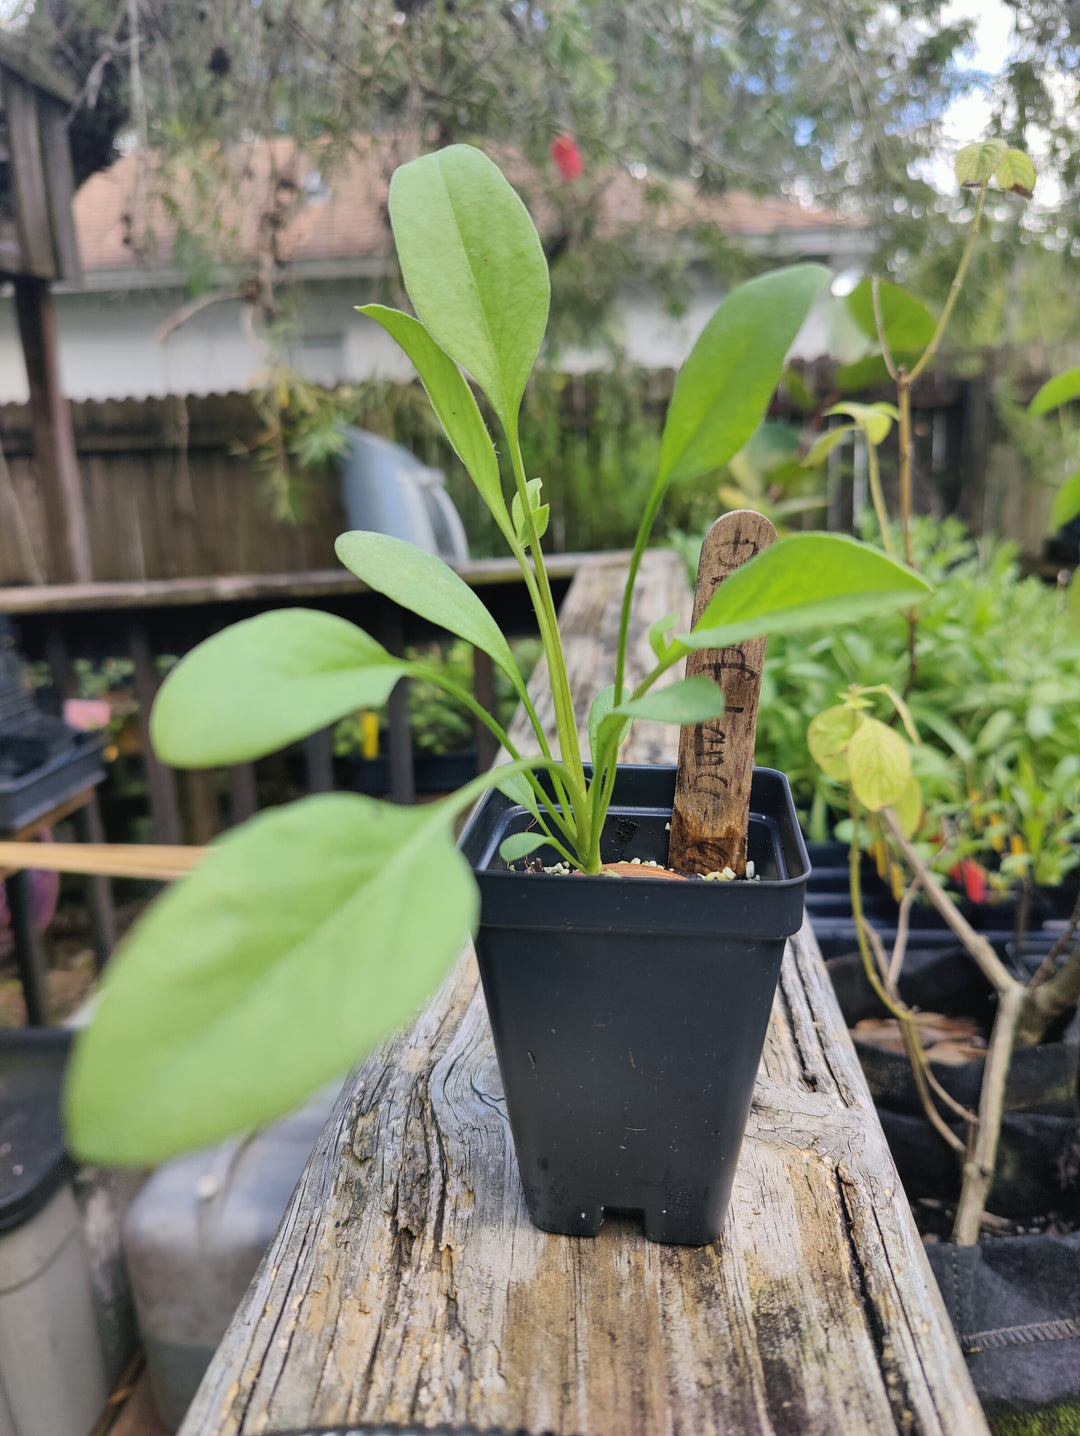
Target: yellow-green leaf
(875,420)
(909,806)
(976,163)
(1016,173)
(880,764)
(828,737)
(824,444)
(1055,392)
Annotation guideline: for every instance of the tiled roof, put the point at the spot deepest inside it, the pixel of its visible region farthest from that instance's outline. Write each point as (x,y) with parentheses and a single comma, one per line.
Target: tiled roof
(346,219)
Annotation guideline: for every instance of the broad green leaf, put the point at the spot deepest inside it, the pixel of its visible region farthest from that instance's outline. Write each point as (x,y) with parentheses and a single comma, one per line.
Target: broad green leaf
(474,268)
(824,444)
(828,736)
(303,938)
(540,512)
(520,845)
(908,807)
(1066,501)
(1016,173)
(976,163)
(658,641)
(451,398)
(879,761)
(800,581)
(725,385)
(263,683)
(907,323)
(875,420)
(870,371)
(518,789)
(424,584)
(690,700)
(1056,391)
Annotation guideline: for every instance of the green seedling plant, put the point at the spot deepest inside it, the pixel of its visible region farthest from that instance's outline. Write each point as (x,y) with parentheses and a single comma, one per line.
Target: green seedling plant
(873,758)
(313,930)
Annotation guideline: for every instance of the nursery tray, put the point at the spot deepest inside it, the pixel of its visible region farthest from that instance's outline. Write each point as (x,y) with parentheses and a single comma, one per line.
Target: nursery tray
(33,1162)
(25,799)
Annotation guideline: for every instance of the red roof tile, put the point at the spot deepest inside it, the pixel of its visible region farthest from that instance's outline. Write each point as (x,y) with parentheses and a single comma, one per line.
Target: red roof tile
(347,219)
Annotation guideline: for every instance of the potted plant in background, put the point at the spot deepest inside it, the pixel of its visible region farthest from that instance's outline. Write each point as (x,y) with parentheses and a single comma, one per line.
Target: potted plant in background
(310,932)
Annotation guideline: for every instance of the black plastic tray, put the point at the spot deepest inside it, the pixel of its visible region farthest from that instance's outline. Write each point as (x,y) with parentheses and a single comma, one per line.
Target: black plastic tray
(33,1162)
(23,800)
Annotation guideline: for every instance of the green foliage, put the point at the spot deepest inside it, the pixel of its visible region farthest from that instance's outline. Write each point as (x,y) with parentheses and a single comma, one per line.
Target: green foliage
(481,289)
(997,710)
(310,932)
(425,584)
(907,324)
(221,704)
(265,973)
(799,581)
(725,385)
(1055,392)
(451,398)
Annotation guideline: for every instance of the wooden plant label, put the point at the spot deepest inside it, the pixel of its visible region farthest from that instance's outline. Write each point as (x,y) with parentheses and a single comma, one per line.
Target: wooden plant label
(716,758)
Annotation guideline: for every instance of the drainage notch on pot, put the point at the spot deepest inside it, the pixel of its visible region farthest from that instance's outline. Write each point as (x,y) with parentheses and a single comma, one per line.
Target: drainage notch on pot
(629,1015)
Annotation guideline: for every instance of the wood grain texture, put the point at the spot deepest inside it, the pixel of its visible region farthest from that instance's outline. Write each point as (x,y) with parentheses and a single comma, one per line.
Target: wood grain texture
(710,821)
(406,1283)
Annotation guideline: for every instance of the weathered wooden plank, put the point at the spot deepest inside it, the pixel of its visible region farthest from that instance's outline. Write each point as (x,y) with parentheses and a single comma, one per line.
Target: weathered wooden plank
(28,177)
(60,187)
(407,1285)
(54,442)
(163,593)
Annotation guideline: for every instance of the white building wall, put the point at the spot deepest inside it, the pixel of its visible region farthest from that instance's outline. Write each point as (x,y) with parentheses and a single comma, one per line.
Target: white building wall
(109,345)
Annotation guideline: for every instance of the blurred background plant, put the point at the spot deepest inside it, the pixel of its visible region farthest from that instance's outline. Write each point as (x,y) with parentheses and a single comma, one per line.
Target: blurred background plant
(996,703)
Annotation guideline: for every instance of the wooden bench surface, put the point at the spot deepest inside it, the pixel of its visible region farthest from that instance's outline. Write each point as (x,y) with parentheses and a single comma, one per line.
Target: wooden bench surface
(407,1286)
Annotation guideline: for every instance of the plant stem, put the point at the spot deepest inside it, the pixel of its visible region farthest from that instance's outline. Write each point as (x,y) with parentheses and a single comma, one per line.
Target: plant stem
(544,604)
(954,289)
(979,1167)
(991,966)
(916,1056)
(648,518)
(874,474)
(463,696)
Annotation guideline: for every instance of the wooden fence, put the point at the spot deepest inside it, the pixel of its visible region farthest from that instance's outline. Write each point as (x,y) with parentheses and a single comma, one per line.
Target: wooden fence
(172,493)
(169,491)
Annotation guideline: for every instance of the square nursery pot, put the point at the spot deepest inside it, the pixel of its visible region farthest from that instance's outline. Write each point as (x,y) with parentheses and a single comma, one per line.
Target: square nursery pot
(629,1014)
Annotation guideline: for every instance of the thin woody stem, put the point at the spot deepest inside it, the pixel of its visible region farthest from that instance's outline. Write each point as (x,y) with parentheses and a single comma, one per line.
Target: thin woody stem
(916,1055)
(979,1167)
(954,289)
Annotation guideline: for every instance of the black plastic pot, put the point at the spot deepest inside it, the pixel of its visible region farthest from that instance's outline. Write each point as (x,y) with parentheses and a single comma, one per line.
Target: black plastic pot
(629,1015)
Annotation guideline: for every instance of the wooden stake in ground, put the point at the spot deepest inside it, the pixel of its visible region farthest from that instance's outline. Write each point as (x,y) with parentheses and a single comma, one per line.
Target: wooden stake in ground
(716,758)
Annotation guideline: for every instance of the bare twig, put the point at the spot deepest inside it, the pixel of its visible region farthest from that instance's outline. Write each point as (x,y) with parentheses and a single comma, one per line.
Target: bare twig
(979,1167)
(188,311)
(991,966)
(903,922)
(1048,966)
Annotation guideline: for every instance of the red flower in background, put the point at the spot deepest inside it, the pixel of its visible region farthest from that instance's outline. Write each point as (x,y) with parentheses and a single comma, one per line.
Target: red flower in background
(567,156)
(973,878)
